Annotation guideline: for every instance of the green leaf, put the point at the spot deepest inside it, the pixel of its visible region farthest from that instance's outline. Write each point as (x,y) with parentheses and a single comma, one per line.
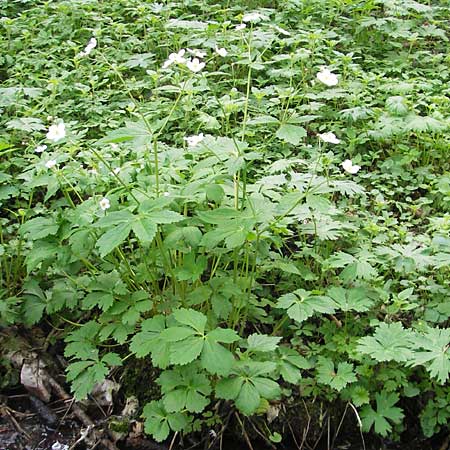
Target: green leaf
(266,387)
(215,358)
(248,399)
(290,364)
(33,309)
(103,300)
(149,341)
(229,388)
(225,335)
(191,318)
(354,299)
(187,350)
(39,227)
(435,353)
(174,334)
(156,422)
(293,134)
(262,343)
(133,131)
(326,373)
(144,229)
(301,305)
(385,410)
(166,216)
(397,105)
(391,342)
(113,238)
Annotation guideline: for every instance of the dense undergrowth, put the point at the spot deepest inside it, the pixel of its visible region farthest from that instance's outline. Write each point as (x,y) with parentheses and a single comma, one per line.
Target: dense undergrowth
(254,197)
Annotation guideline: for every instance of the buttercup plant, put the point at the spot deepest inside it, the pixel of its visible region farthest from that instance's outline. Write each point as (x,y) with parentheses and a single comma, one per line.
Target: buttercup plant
(210,231)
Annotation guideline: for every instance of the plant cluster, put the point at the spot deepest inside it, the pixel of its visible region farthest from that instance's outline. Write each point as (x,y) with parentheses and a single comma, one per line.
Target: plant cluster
(256,199)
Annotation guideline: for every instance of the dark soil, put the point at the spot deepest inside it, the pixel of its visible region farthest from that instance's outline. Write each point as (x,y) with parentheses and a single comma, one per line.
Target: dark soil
(22,427)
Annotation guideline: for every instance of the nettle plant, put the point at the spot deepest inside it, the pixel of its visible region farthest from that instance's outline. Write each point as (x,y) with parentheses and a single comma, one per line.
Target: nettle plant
(220,234)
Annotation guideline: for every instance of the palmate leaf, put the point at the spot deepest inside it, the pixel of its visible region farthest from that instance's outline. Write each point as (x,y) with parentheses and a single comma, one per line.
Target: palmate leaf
(385,410)
(423,124)
(290,363)
(391,342)
(354,299)
(190,342)
(158,421)
(336,379)
(435,353)
(148,340)
(248,385)
(301,305)
(184,388)
(293,134)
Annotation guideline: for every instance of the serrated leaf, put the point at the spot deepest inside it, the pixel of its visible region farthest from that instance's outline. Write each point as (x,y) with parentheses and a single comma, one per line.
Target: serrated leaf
(113,238)
(336,379)
(292,134)
(391,342)
(248,399)
(229,388)
(39,227)
(187,350)
(144,229)
(435,353)
(225,335)
(215,358)
(385,410)
(191,318)
(262,343)
(301,305)
(353,299)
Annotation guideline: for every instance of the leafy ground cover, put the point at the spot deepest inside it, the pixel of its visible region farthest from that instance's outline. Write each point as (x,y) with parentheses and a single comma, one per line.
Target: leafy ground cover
(253,197)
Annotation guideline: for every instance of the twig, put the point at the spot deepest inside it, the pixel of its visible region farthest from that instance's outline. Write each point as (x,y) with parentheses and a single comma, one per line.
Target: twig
(444,445)
(261,434)
(339,426)
(305,430)
(172,442)
(247,439)
(84,435)
(360,426)
(15,423)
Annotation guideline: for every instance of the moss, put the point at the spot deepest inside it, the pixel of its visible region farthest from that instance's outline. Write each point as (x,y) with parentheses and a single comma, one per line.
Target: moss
(119,426)
(139,379)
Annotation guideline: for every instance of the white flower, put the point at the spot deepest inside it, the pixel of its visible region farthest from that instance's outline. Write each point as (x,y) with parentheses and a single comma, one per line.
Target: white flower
(50,164)
(194,140)
(93,171)
(241,27)
(104,204)
(56,132)
(196,52)
(329,137)
(195,65)
(349,167)
(166,194)
(221,51)
(89,47)
(116,170)
(327,77)
(40,148)
(252,17)
(175,58)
